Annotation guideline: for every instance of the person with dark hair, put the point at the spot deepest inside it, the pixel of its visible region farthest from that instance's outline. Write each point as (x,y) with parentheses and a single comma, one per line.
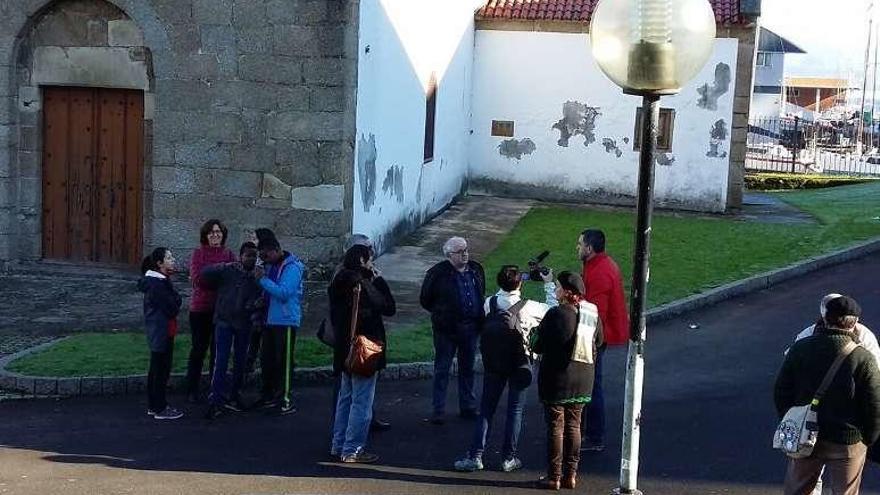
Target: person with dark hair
(356,395)
(452,292)
(848,413)
(507,361)
(282,282)
(237,295)
(568,339)
(376,423)
(161,306)
(211,251)
(604,289)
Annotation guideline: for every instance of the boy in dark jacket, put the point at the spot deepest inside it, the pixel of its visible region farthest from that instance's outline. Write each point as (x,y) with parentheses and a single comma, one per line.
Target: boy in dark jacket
(237,294)
(161,306)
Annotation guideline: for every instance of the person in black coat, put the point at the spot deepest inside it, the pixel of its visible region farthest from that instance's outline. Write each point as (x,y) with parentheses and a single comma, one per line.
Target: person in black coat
(161,306)
(453,292)
(355,403)
(237,295)
(567,340)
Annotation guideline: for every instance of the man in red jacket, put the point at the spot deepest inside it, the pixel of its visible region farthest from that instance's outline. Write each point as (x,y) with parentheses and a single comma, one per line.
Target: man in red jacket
(605,290)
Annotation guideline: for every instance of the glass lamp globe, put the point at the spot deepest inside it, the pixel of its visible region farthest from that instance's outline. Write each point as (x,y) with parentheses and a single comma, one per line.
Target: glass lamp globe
(652,46)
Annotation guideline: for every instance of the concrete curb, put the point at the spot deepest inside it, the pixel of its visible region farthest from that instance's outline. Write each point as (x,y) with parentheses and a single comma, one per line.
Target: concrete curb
(34,386)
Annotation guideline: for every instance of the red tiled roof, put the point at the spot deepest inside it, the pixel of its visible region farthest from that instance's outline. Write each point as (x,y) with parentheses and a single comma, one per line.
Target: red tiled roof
(726,11)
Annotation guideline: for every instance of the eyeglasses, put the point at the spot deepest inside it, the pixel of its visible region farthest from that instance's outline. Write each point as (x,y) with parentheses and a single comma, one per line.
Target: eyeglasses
(460,251)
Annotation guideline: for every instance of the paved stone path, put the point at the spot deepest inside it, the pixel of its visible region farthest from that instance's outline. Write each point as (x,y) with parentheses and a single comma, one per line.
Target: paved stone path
(42,301)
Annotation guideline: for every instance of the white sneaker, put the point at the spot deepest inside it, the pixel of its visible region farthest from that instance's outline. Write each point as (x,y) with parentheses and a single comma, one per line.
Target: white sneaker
(168,413)
(469,465)
(511,464)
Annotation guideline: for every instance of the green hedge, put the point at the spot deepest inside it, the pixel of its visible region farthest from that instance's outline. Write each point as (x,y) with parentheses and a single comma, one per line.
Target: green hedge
(779,181)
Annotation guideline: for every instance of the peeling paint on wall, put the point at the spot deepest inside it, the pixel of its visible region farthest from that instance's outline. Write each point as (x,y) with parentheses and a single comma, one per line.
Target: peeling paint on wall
(709,94)
(611,147)
(665,159)
(516,148)
(394,182)
(577,119)
(717,137)
(366,165)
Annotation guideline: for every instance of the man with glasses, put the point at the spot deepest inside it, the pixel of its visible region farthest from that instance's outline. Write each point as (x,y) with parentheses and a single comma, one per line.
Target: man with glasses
(453,293)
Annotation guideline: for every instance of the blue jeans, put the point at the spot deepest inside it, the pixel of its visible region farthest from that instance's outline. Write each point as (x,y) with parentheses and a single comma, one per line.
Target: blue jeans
(227,338)
(354,410)
(594,424)
(464,344)
(493,387)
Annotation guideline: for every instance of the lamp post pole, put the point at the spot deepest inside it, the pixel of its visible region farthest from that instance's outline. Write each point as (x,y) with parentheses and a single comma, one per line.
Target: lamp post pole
(635,361)
(649,48)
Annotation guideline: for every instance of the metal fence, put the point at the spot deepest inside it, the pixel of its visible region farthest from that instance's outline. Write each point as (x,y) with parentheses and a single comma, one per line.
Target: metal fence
(792,145)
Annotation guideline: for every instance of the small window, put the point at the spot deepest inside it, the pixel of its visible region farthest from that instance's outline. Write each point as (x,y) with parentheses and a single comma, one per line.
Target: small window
(502,128)
(763,59)
(664,133)
(430,116)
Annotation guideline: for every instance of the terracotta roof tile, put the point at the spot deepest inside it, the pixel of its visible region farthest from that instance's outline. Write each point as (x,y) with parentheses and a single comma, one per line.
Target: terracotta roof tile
(726,11)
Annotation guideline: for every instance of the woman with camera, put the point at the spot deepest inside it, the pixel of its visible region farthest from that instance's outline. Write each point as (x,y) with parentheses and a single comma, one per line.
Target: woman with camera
(567,340)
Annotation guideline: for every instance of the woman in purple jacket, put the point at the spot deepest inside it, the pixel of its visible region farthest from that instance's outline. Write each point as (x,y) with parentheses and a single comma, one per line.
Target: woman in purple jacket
(212,250)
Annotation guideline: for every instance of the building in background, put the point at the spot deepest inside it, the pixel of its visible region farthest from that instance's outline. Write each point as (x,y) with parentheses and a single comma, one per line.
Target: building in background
(768,97)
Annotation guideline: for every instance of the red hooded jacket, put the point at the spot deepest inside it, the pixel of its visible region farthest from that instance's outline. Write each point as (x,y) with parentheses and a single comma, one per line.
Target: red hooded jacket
(605,290)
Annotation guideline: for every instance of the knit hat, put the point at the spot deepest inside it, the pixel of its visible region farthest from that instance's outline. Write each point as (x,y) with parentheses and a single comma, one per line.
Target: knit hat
(824,302)
(572,282)
(842,306)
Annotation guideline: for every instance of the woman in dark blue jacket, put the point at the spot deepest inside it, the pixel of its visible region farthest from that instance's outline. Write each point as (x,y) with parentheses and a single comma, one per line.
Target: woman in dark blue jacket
(161,306)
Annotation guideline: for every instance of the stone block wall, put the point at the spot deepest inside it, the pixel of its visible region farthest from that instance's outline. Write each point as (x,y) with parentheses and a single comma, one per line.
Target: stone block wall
(745,70)
(249,107)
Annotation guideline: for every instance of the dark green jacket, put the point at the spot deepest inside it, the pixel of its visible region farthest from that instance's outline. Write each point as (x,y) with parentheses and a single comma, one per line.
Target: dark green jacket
(850,411)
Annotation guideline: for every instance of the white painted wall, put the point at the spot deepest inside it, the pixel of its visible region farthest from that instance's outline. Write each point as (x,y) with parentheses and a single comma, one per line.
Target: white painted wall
(401,42)
(528,76)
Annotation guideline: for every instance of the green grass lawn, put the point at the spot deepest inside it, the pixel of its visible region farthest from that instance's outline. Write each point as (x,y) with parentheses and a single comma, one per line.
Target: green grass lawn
(126,353)
(689,255)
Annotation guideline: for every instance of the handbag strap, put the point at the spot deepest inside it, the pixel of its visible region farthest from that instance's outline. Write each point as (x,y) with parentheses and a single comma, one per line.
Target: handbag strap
(841,356)
(354,311)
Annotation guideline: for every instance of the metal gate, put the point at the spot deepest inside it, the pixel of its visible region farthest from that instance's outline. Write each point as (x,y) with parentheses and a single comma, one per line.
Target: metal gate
(92,174)
(796,146)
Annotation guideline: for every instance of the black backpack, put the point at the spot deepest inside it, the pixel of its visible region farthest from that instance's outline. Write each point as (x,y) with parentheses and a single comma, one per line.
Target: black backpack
(501,342)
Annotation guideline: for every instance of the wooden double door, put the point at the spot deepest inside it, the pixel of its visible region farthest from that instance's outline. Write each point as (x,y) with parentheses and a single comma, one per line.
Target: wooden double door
(93,174)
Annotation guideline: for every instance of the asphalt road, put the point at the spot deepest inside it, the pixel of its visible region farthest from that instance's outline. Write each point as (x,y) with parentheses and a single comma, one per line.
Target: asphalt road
(707,421)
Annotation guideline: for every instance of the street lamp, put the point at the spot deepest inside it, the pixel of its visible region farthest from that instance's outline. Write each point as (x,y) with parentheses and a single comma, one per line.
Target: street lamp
(649,48)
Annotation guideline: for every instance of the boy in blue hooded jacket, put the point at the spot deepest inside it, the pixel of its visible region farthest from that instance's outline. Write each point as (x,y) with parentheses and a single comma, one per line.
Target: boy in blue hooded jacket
(282,283)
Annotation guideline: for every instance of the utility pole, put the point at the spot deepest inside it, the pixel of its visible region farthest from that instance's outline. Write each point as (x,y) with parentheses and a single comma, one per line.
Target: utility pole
(873,94)
(860,126)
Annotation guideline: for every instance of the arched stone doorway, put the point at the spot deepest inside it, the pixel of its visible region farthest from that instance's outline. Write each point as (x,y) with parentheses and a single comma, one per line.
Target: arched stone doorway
(84,80)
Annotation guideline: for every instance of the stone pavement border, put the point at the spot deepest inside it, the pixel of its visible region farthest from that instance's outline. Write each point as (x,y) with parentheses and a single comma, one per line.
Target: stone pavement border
(67,387)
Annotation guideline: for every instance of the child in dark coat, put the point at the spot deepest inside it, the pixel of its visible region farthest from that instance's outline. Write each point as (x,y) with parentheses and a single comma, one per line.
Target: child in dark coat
(237,295)
(161,306)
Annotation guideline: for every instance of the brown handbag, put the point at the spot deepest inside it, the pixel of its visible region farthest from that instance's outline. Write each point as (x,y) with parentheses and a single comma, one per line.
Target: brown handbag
(364,353)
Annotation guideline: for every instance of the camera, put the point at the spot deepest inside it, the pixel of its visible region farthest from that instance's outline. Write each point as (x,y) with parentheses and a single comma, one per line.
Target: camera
(536,268)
